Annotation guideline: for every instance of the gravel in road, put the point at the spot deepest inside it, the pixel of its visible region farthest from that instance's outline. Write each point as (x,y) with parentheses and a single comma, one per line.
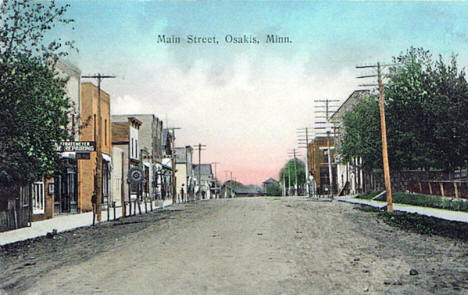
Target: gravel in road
(239,246)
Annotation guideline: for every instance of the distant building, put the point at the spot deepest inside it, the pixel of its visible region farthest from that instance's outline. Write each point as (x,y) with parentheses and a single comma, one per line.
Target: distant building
(233,189)
(165,170)
(318,150)
(270,182)
(184,174)
(206,182)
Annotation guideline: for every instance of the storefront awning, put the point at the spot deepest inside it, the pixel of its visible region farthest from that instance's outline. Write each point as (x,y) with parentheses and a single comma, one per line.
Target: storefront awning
(106,157)
(68,155)
(167,163)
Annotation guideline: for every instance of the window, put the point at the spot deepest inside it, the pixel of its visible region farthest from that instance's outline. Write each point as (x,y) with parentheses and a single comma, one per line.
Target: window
(136,148)
(131,149)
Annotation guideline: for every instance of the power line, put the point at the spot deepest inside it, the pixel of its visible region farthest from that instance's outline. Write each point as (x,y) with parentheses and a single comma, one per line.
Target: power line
(199,147)
(173,163)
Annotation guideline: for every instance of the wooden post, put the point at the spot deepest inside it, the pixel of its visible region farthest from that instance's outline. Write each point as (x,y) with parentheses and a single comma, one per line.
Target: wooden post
(113,206)
(122,187)
(388,185)
(94,214)
(441,184)
(456,189)
(420,186)
(430,187)
(138,198)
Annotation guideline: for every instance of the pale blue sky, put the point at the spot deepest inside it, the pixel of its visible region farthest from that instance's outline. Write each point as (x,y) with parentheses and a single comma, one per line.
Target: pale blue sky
(245,101)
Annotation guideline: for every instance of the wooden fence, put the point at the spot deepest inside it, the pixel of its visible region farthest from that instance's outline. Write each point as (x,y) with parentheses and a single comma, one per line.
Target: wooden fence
(15,207)
(445,188)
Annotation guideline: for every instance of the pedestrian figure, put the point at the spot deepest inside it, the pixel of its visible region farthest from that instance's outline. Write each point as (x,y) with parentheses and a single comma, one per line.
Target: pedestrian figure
(182,194)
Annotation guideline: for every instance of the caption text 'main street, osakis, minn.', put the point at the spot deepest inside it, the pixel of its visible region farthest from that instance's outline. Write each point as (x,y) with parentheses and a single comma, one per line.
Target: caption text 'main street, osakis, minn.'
(226,39)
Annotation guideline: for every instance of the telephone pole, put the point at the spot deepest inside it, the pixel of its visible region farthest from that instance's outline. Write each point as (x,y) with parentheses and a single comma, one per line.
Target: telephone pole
(303,142)
(216,180)
(324,128)
(226,177)
(98,139)
(383,129)
(199,147)
(173,164)
(294,154)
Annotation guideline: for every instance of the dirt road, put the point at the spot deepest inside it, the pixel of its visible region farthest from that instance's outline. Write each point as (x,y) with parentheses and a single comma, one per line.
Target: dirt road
(254,246)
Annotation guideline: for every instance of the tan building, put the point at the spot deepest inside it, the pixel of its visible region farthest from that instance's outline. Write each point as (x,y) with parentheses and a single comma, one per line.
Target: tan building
(89,132)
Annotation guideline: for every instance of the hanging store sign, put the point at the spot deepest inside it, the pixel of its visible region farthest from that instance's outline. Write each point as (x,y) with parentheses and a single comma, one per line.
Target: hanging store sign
(83,156)
(136,175)
(76,146)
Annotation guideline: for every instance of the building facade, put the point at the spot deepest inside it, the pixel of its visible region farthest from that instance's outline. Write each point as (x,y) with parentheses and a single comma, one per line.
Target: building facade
(203,175)
(150,145)
(90,132)
(125,154)
(184,174)
(319,167)
(350,176)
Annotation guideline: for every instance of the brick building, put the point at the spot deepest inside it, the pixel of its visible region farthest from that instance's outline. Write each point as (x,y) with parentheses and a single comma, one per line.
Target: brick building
(89,132)
(318,163)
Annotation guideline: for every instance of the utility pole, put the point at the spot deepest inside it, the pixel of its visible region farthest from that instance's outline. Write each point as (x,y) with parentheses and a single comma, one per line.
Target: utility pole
(216,180)
(200,147)
(225,186)
(294,154)
(383,129)
(98,139)
(324,127)
(303,141)
(173,164)
(284,183)
(330,170)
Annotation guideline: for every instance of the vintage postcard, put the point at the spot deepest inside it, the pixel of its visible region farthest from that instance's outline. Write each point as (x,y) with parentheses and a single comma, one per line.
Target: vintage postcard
(233,147)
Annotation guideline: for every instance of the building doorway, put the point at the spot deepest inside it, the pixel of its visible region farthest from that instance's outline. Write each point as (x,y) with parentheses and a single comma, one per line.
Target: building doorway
(66,187)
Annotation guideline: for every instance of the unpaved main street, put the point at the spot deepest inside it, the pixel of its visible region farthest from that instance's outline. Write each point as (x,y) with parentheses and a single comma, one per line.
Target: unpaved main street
(242,246)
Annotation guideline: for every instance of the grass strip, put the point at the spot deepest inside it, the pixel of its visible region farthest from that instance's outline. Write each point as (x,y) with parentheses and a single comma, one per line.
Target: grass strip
(421,200)
(422,224)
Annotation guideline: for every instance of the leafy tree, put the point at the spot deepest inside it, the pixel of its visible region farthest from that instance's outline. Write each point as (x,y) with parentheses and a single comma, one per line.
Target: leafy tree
(295,169)
(33,108)
(274,190)
(426,114)
(362,134)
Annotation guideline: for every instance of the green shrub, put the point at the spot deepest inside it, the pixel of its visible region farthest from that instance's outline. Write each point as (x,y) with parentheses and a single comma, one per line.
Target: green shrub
(421,200)
(369,195)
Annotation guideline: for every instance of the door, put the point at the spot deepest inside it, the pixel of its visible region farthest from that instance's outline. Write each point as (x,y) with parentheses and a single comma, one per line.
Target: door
(66,188)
